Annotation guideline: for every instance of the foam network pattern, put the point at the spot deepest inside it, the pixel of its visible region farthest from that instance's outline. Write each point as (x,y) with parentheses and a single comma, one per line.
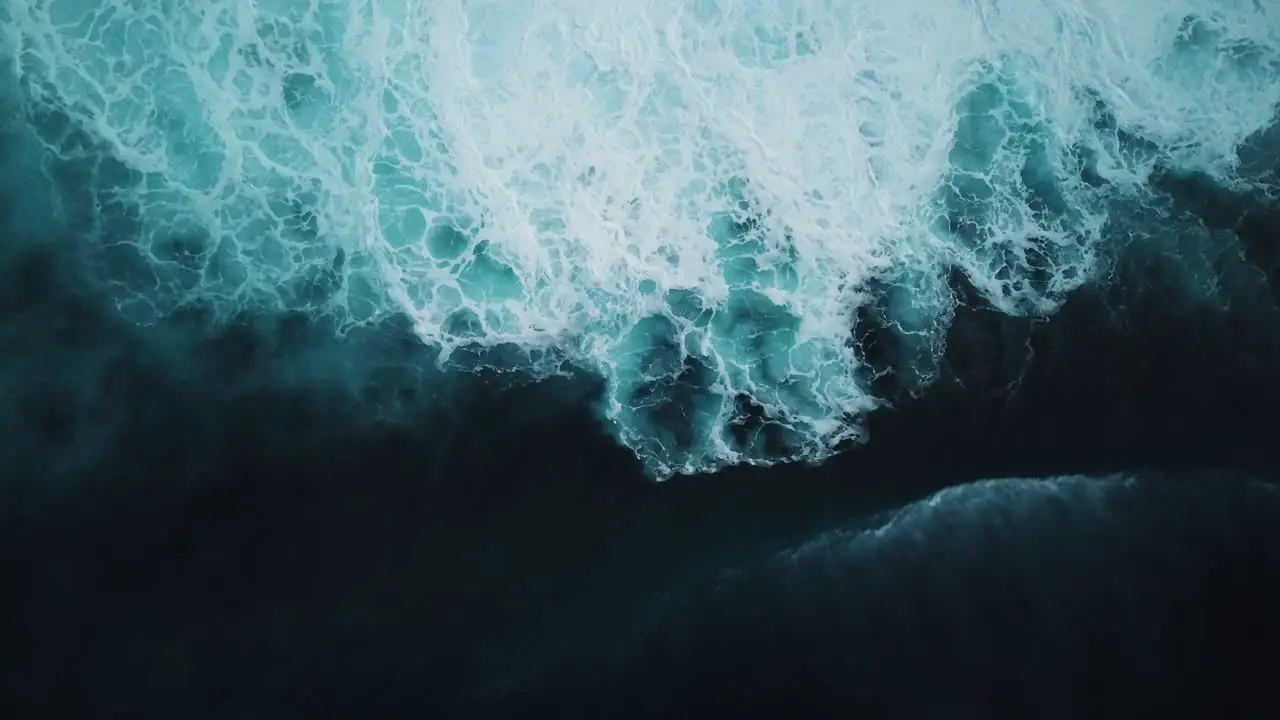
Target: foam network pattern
(691,199)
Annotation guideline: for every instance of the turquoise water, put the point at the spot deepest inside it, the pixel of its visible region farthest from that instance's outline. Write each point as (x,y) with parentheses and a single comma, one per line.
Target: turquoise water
(692,201)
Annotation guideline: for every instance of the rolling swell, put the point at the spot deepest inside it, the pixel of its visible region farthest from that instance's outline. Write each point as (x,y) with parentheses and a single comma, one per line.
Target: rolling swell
(951,606)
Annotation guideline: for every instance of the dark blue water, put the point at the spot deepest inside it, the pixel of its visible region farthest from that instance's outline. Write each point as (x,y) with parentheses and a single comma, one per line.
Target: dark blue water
(190,528)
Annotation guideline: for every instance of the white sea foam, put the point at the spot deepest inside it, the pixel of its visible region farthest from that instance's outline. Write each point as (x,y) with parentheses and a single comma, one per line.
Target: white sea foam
(687,197)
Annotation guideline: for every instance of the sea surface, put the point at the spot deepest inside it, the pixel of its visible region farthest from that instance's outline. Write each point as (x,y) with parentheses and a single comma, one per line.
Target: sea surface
(555,358)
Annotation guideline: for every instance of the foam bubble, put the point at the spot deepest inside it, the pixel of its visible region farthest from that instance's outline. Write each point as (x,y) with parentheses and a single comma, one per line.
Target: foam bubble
(690,199)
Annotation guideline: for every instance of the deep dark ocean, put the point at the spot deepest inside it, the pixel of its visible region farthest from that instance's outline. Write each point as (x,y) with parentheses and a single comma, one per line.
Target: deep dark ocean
(183,538)
(257,519)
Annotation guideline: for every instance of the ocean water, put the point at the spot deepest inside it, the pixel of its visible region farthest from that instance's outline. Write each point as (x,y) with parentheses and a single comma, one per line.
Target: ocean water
(691,202)
(593,358)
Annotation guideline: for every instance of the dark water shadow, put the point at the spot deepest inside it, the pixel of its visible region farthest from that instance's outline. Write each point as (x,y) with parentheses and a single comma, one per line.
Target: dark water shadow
(193,535)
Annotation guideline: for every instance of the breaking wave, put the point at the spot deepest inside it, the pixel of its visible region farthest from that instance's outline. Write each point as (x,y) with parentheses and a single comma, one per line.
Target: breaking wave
(697,202)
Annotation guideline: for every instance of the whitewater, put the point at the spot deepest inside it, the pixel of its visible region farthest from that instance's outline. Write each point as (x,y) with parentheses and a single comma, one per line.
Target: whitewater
(691,199)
